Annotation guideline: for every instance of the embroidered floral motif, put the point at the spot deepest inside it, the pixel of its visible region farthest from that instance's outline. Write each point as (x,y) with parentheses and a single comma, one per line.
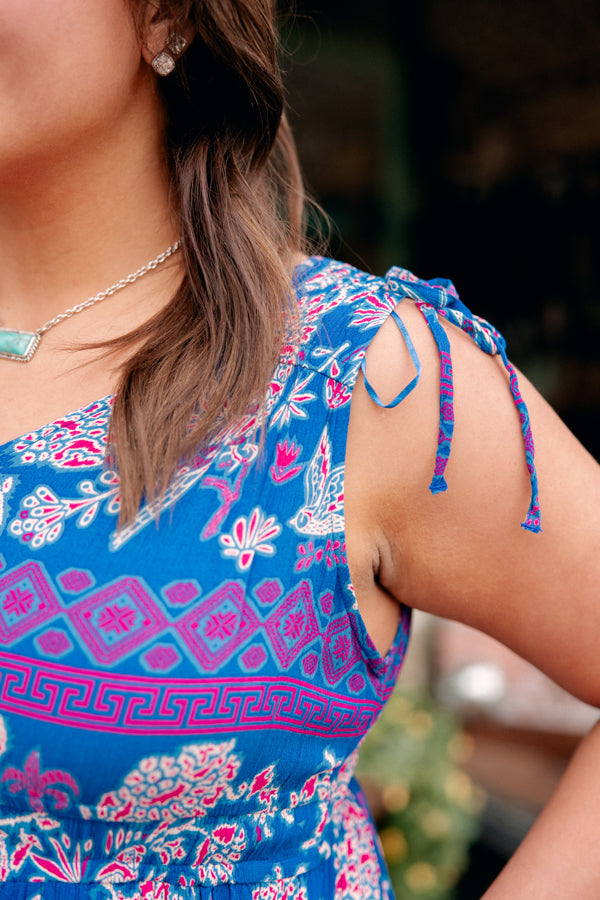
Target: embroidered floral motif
(37,784)
(286,455)
(294,404)
(166,788)
(148,890)
(43,513)
(336,393)
(332,554)
(152,889)
(217,854)
(372,310)
(77,441)
(126,851)
(281,889)
(250,535)
(356,860)
(185,789)
(68,864)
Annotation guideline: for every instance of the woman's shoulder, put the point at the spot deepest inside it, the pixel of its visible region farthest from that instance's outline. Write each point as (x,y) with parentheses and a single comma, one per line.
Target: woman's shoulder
(334,296)
(340,309)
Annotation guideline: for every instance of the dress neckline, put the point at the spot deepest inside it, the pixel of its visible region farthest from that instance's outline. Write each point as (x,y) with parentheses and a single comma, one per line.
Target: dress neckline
(301,272)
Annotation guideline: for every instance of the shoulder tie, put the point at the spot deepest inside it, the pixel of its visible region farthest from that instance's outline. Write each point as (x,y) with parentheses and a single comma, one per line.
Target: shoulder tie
(439,298)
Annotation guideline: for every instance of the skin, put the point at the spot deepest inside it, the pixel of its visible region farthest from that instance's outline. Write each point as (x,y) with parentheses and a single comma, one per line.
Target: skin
(83,194)
(463,555)
(73,221)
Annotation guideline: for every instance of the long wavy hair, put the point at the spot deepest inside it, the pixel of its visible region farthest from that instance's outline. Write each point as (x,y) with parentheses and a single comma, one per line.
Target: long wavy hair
(209,354)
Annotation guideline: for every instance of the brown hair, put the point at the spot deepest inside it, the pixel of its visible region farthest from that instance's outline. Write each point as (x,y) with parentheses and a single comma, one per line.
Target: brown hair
(210,353)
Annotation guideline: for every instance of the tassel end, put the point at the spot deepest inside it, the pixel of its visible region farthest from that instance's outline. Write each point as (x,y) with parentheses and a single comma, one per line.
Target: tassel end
(532,522)
(438,485)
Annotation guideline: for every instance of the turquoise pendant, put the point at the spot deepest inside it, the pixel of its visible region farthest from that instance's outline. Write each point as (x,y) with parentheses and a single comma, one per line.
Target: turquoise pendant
(18,345)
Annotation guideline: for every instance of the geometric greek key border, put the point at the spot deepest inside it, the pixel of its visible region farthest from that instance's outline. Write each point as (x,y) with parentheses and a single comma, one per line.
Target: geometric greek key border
(121,704)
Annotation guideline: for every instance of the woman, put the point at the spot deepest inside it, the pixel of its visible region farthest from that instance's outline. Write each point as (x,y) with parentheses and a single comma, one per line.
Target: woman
(197,635)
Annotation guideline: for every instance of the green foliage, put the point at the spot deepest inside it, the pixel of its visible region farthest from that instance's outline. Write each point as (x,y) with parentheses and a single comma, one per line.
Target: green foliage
(428,807)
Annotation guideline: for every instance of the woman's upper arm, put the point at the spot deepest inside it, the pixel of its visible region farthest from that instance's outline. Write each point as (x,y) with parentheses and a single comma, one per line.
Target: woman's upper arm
(463,554)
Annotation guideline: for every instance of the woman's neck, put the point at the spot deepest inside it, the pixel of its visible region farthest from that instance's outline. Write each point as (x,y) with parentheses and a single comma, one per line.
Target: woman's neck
(73,225)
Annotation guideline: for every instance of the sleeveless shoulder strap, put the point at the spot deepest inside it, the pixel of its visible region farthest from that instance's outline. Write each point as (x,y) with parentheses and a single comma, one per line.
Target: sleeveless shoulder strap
(342,310)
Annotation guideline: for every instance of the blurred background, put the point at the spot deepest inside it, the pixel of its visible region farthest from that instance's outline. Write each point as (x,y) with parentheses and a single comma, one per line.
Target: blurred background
(461,138)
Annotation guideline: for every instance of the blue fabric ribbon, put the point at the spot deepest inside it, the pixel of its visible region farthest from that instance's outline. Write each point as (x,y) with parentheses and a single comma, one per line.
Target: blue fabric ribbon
(435,299)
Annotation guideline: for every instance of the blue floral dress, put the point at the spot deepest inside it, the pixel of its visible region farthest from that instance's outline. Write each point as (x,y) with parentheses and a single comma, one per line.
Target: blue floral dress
(180,706)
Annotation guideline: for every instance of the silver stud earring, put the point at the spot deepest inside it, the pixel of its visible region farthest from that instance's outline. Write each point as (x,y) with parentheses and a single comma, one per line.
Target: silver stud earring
(164,62)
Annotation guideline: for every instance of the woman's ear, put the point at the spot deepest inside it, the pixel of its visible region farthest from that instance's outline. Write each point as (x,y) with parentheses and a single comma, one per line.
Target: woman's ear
(164,43)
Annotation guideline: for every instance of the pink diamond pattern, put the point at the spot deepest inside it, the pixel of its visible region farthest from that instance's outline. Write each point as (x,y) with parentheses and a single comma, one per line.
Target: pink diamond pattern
(310,663)
(215,628)
(161,658)
(292,625)
(340,649)
(117,619)
(76,580)
(26,600)
(181,592)
(268,592)
(254,657)
(54,642)
(356,683)
(326,602)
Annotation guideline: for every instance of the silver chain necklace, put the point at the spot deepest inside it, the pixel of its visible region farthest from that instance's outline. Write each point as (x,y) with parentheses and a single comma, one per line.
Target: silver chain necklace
(21,345)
